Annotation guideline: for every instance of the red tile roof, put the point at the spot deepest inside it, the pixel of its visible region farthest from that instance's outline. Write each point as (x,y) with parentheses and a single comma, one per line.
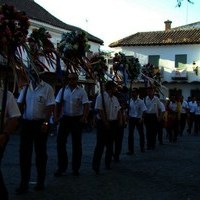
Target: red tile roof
(172,37)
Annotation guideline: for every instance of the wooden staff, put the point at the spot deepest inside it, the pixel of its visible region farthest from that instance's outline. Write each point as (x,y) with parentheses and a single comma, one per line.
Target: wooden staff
(4,99)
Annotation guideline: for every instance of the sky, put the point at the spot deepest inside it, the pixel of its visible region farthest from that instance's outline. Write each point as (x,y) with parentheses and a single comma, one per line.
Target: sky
(111,20)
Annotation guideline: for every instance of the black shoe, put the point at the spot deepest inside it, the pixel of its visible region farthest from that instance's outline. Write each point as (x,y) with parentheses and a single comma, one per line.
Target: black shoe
(21,190)
(116,158)
(161,143)
(39,187)
(59,173)
(108,168)
(75,173)
(129,153)
(96,170)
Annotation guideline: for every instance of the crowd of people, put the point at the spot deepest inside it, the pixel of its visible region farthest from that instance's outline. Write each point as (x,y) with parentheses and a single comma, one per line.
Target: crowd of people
(114,109)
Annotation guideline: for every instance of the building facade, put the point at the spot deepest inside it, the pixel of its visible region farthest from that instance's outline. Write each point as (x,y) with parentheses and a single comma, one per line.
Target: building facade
(175,51)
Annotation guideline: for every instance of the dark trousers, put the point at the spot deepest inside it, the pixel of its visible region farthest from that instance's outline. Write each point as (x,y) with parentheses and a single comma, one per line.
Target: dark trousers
(3,189)
(151,130)
(160,131)
(197,124)
(173,127)
(183,121)
(74,126)
(31,138)
(191,122)
(135,122)
(118,140)
(105,139)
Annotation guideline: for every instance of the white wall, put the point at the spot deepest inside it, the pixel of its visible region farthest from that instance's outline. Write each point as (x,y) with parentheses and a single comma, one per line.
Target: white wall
(57,32)
(167,53)
(167,61)
(167,57)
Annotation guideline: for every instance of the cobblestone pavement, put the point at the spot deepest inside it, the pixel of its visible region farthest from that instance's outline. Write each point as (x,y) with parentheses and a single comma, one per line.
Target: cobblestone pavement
(170,172)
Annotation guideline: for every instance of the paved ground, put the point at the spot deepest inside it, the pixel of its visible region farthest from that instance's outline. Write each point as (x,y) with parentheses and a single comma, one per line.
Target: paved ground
(170,172)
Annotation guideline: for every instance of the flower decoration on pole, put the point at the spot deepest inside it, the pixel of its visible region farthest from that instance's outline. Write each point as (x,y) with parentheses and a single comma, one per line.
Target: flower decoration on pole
(126,67)
(13,33)
(151,76)
(20,54)
(99,67)
(72,49)
(134,68)
(13,29)
(42,52)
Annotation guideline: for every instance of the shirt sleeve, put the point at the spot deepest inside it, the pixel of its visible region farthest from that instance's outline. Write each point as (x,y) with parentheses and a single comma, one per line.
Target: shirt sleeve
(50,97)
(144,108)
(98,103)
(58,97)
(85,97)
(21,95)
(12,107)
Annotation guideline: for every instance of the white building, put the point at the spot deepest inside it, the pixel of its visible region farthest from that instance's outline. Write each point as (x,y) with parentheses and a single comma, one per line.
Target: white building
(176,51)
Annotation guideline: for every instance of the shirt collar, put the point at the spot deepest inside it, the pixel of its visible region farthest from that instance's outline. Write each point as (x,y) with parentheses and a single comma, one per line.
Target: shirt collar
(41,83)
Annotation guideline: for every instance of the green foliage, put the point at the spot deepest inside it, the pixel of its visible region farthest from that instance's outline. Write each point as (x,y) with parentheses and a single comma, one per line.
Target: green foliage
(130,64)
(73,44)
(99,67)
(40,40)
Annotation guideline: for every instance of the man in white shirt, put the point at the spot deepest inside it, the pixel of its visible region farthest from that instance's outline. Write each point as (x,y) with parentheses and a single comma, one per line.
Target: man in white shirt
(136,112)
(154,106)
(71,111)
(184,113)
(10,123)
(108,120)
(191,104)
(197,118)
(37,102)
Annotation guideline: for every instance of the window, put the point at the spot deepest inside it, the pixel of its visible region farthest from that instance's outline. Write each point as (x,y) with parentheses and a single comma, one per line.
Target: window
(154,60)
(175,92)
(195,92)
(180,60)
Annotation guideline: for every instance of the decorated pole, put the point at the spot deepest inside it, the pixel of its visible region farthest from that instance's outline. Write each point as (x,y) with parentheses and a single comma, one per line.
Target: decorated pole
(99,68)
(18,50)
(4,99)
(13,31)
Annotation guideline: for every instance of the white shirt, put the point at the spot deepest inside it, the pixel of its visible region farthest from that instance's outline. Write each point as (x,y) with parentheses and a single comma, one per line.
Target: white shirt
(72,100)
(173,106)
(111,104)
(197,110)
(153,105)
(137,107)
(192,106)
(184,107)
(36,100)
(12,109)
